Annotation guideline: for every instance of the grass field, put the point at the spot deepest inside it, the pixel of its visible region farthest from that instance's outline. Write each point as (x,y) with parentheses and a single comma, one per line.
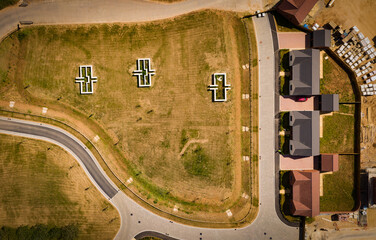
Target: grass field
(336,81)
(6,3)
(148,125)
(42,184)
(338,134)
(339,189)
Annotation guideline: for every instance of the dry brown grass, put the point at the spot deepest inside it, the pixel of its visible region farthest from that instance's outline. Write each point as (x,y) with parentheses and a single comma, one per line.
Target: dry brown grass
(148,123)
(41,186)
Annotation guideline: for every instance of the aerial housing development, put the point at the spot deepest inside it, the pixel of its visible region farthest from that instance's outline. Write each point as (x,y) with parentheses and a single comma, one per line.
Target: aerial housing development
(185,119)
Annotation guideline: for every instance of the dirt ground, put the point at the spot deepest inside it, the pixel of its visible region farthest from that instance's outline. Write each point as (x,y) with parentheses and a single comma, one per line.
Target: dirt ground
(368,132)
(323,228)
(43,184)
(349,13)
(147,125)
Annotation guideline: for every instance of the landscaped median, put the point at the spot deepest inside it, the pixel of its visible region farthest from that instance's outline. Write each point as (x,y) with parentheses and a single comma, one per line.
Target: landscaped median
(284,71)
(285,132)
(141,130)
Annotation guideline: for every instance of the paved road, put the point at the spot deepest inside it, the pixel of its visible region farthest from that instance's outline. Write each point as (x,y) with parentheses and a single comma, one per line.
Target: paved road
(108,11)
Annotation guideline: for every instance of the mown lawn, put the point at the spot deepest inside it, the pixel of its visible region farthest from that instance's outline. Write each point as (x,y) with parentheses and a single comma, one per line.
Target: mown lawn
(338,135)
(45,190)
(339,189)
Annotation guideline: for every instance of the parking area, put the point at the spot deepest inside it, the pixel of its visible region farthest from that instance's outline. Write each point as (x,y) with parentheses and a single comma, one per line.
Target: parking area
(289,103)
(293,40)
(296,163)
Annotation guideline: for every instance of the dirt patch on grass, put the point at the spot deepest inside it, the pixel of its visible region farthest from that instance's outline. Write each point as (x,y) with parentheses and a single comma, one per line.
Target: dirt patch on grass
(42,184)
(145,125)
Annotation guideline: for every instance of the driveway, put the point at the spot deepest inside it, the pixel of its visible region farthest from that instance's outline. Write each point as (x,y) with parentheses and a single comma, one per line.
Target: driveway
(293,40)
(287,103)
(296,163)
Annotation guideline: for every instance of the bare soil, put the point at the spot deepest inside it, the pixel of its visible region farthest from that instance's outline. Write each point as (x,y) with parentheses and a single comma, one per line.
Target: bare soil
(349,13)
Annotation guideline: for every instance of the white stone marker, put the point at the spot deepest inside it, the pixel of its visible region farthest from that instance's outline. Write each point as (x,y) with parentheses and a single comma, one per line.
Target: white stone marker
(244,195)
(96,138)
(176,208)
(130,180)
(229,213)
(44,110)
(11,104)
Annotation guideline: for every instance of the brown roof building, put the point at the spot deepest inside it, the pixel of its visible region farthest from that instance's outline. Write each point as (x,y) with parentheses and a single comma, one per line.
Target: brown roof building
(329,162)
(295,10)
(305,193)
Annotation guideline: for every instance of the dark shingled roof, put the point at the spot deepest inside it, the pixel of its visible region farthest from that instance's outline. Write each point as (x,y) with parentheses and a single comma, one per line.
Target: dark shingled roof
(305,193)
(305,66)
(322,38)
(329,162)
(329,102)
(295,10)
(305,133)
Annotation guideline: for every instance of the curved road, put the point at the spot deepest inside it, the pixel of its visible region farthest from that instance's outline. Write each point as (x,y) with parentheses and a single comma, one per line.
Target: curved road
(109,11)
(135,219)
